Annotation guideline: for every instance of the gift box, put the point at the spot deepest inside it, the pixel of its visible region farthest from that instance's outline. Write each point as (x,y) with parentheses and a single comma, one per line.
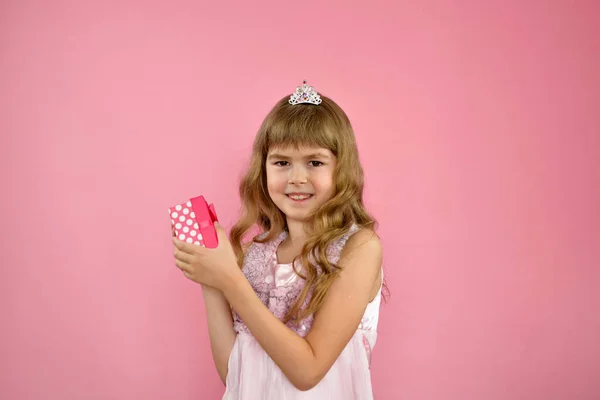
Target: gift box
(193,222)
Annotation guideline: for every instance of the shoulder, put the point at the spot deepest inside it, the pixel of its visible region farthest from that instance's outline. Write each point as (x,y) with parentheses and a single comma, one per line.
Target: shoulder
(254,261)
(256,242)
(362,257)
(364,242)
(260,245)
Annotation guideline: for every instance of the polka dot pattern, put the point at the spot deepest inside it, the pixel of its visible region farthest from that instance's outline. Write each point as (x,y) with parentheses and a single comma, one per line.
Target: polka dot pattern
(185,225)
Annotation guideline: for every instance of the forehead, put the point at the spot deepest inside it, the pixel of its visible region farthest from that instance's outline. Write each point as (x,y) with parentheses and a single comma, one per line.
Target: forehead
(301,151)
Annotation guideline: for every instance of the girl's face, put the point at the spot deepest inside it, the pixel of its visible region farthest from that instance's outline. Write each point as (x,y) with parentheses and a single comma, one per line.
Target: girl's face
(300,180)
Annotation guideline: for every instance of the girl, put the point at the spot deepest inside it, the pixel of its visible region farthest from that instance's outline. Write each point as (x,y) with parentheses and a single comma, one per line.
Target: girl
(293,314)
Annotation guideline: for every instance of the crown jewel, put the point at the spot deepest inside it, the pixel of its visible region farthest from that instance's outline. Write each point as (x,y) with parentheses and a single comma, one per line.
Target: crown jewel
(305,94)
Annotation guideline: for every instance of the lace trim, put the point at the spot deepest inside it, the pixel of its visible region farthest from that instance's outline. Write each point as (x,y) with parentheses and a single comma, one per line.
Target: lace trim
(259,263)
(367,348)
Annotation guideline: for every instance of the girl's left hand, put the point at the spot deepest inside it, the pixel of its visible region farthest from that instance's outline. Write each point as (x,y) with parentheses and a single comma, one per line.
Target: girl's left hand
(211,267)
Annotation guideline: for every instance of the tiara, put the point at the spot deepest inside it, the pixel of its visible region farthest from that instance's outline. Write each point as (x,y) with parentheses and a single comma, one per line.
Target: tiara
(305,94)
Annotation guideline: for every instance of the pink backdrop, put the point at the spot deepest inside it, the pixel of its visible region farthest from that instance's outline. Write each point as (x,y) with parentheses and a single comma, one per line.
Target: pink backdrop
(478,127)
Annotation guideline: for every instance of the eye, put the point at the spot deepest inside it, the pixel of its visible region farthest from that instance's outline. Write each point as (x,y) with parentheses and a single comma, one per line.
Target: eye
(281,163)
(315,163)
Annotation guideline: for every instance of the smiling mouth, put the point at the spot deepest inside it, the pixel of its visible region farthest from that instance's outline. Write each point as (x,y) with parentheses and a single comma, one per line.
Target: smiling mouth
(299,197)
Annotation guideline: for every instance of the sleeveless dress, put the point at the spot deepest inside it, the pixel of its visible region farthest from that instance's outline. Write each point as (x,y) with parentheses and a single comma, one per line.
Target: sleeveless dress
(253,375)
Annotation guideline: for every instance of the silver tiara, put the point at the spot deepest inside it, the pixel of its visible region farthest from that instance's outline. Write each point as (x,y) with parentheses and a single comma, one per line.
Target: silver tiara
(305,94)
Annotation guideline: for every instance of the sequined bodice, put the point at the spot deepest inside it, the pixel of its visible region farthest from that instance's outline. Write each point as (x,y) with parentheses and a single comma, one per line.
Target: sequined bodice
(278,285)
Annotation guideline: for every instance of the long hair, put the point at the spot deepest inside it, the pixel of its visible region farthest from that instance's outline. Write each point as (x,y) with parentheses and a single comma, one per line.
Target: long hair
(325,126)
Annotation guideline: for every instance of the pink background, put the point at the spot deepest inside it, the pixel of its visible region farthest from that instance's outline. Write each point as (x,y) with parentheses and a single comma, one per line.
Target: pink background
(478,125)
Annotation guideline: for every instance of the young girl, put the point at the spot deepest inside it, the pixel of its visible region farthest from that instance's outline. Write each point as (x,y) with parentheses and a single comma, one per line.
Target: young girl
(298,320)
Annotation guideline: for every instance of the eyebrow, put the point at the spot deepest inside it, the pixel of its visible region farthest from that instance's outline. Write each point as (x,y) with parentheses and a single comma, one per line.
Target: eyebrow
(281,156)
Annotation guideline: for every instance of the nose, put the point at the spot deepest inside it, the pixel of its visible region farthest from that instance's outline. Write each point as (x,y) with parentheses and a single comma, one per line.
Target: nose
(297,175)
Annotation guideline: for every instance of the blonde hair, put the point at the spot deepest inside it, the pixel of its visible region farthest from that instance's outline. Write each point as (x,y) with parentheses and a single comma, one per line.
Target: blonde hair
(325,126)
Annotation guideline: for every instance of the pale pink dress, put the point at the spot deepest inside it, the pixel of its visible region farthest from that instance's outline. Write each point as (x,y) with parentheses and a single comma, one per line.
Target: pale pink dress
(253,375)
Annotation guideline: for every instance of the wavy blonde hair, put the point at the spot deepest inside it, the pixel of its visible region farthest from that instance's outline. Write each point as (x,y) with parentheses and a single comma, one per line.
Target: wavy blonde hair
(325,126)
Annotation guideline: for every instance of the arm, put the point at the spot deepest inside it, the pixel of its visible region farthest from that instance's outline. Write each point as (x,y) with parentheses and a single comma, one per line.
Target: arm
(220,324)
(305,361)
(220,328)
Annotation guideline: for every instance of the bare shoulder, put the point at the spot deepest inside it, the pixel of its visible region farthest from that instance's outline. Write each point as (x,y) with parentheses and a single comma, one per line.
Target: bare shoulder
(362,259)
(364,242)
(362,256)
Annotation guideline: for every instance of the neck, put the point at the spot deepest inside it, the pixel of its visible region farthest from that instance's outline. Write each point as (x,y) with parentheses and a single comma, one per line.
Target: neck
(298,231)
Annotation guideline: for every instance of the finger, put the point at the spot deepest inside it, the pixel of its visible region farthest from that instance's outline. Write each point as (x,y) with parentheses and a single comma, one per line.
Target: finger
(182,256)
(181,245)
(221,233)
(183,266)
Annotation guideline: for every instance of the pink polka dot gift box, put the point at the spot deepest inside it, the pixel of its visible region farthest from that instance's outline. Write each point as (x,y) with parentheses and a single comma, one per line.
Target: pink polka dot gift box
(194,222)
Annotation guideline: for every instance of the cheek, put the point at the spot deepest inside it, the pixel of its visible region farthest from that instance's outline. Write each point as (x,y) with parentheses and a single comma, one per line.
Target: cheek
(324,184)
(273,181)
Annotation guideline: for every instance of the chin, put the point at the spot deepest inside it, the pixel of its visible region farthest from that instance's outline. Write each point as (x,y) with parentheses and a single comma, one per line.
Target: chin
(296,217)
